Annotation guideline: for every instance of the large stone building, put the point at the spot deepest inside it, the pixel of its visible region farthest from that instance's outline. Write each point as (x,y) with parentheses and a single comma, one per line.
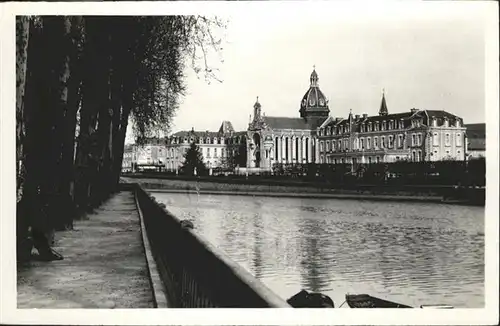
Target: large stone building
(315,136)
(215,146)
(415,135)
(287,140)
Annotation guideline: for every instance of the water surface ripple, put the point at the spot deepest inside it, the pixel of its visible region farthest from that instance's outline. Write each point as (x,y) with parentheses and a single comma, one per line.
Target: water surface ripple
(413,253)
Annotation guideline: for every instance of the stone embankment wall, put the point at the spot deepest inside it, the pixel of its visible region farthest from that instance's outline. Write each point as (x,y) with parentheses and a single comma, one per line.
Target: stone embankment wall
(278,190)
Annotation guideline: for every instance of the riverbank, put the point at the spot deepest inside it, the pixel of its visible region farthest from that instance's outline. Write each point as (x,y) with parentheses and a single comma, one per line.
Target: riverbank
(226,187)
(435,199)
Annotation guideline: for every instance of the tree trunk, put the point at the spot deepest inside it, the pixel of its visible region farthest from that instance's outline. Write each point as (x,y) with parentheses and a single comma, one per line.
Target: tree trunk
(22,39)
(72,37)
(95,99)
(114,138)
(119,142)
(39,117)
(33,145)
(58,36)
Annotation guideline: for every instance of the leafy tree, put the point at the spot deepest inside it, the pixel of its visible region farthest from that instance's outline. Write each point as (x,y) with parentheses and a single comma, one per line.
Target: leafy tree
(227,163)
(107,71)
(193,159)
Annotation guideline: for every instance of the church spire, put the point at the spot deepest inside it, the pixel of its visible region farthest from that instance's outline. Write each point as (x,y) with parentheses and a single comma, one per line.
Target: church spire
(383,106)
(257,109)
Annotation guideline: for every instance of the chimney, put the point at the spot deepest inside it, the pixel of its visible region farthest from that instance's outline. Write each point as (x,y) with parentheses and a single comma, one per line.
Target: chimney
(365,115)
(413,110)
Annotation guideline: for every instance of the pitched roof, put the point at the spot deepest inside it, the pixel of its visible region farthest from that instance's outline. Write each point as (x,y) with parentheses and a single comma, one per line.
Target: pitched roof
(153,140)
(226,127)
(207,133)
(440,116)
(476,144)
(476,130)
(376,118)
(405,116)
(292,123)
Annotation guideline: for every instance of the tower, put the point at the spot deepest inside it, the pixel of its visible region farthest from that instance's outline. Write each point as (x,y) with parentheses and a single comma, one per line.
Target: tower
(314,103)
(383,105)
(257,109)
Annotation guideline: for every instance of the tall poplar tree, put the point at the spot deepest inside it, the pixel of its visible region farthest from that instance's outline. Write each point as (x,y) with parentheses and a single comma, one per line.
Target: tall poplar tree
(80,80)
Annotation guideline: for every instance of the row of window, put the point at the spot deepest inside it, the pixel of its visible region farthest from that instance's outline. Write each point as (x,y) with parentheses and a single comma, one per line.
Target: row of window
(447,153)
(379,126)
(173,165)
(206,152)
(446,122)
(447,139)
(416,156)
(364,127)
(208,140)
(366,143)
(223,152)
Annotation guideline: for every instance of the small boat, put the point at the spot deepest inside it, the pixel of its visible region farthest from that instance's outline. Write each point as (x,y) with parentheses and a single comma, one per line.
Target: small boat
(436,306)
(368,301)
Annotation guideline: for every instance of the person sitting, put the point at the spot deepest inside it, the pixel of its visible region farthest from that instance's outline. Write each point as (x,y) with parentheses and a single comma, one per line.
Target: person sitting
(36,231)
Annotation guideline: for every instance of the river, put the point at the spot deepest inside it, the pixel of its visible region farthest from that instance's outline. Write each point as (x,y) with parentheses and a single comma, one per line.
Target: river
(412,253)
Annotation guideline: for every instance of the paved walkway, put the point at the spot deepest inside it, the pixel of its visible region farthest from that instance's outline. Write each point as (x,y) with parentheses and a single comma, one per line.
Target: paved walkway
(104,264)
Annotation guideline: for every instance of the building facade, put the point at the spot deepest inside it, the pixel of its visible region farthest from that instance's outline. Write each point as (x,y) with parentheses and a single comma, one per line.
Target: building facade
(287,140)
(215,146)
(151,155)
(129,158)
(317,137)
(416,135)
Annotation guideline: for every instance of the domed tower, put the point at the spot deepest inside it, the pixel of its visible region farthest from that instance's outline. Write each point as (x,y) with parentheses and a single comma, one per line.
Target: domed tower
(314,103)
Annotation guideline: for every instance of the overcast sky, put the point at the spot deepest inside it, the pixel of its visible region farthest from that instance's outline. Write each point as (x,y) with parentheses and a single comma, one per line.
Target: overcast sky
(424,56)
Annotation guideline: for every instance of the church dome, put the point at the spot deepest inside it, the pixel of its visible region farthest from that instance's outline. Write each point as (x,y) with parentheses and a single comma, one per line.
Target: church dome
(314,99)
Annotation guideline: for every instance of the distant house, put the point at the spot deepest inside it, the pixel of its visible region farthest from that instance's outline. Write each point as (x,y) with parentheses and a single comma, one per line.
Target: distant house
(150,156)
(129,157)
(215,146)
(476,140)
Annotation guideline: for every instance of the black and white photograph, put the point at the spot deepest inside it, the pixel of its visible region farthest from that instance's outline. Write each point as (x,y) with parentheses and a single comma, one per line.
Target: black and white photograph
(272,154)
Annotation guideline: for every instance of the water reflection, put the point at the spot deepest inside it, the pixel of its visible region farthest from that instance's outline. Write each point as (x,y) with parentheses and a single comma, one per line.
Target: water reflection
(414,253)
(314,260)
